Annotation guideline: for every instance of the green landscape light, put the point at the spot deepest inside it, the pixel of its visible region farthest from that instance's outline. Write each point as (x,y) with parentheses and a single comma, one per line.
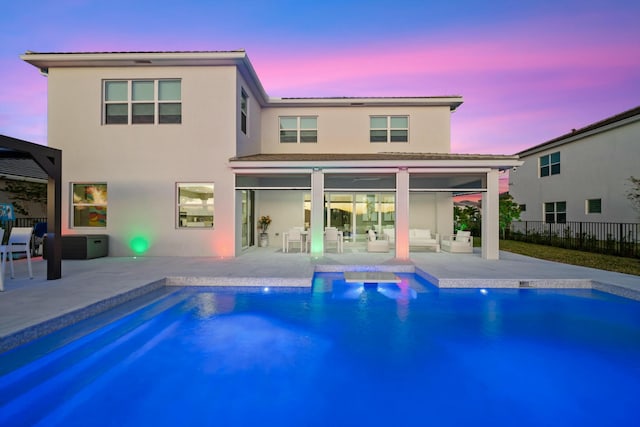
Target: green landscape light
(139,245)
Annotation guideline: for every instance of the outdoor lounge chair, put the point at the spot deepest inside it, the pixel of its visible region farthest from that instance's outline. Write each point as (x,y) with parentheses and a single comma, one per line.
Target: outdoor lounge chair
(461,242)
(376,245)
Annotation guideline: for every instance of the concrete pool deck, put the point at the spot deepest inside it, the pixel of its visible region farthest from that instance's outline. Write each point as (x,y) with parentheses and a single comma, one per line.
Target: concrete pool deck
(30,308)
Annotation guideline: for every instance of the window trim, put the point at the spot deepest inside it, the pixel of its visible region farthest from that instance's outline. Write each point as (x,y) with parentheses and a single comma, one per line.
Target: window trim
(389,129)
(181,222)
(129,102)
(74,204)
(298,129)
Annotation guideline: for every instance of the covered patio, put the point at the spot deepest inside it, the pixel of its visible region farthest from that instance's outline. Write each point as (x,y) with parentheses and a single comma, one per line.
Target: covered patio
(359,192)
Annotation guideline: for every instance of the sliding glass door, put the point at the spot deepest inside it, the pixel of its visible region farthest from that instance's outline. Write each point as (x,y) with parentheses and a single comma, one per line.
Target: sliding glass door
(356,213)
(247,218)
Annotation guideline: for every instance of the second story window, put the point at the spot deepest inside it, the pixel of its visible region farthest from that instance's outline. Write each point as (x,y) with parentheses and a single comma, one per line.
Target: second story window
(244,110)
(295,129)
(389,129)
(142,102)
(550,164)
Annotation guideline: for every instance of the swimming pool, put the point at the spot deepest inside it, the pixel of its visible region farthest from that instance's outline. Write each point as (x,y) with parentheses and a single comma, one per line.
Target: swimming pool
(342,355)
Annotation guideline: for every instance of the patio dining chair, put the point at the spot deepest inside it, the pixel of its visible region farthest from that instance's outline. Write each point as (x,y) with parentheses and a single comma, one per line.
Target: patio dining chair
(331,235)
(294,236)
(20,241)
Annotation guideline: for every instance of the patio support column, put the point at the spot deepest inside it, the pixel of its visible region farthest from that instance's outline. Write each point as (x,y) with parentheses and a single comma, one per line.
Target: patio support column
(402,214)
(317,213)
(490,217)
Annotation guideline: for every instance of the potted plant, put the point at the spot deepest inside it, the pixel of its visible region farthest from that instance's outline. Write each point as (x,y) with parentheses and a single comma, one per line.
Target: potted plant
(264,222)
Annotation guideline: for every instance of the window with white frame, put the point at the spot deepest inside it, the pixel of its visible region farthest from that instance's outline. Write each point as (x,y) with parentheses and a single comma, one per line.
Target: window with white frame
(594,206)
(195,205)
(389,129)
(142,101)
(89,204)
(244,110)
(298,129)
(550,164)
(555,212)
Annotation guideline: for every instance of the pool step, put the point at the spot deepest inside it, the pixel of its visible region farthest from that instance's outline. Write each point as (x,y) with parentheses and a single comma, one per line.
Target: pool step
(72,369)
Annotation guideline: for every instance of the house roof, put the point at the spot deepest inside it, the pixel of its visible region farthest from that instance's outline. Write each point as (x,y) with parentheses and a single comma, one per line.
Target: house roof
(22,169)
(594,128)
(440,160)
(238,58)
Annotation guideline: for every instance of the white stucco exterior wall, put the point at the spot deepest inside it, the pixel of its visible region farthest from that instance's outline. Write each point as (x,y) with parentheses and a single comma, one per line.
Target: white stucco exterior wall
(346,130)
(141,164)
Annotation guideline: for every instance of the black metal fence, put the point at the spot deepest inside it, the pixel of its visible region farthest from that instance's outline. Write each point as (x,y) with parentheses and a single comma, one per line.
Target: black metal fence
(612,238)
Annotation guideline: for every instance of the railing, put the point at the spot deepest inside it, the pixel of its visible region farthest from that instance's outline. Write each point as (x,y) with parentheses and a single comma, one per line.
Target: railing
(18,222)
(612,238)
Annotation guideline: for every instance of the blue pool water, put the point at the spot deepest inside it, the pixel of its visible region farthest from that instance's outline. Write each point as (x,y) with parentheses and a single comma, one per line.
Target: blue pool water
(338,355)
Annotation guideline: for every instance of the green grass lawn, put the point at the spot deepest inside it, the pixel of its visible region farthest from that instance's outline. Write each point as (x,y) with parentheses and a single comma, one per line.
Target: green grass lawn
(570,256)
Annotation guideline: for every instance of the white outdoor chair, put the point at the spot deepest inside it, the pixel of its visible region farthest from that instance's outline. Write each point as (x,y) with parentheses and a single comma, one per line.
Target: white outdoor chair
(376,245)
(331,235)
(20,241)
(3,261)
(294,236)
(461,242)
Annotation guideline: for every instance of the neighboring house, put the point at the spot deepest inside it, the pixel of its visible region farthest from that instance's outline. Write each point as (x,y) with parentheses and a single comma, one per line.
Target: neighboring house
(581,176)
(17,173)
(180,153)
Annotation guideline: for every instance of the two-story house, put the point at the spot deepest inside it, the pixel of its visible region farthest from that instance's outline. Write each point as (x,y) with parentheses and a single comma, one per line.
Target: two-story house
(181,153)
(581,176)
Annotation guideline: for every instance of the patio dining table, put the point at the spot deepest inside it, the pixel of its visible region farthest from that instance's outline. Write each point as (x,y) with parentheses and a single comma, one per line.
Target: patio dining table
(306,240)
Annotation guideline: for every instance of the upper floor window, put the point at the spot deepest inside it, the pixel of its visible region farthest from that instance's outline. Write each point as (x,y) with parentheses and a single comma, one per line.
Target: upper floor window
(555,212)
(389,129)
(594,206)
(294,129)
(550,164)
(195,204)
(244,110)
(142,101)
(89,205)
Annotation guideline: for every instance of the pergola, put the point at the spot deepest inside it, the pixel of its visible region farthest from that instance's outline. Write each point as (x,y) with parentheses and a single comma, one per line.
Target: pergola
(50,160)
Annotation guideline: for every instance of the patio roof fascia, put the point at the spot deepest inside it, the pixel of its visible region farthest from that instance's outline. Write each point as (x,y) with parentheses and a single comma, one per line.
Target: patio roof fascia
(451,166)
(453,102)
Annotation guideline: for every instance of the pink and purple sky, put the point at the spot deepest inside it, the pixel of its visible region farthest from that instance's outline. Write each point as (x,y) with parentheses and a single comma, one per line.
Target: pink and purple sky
(528,71)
